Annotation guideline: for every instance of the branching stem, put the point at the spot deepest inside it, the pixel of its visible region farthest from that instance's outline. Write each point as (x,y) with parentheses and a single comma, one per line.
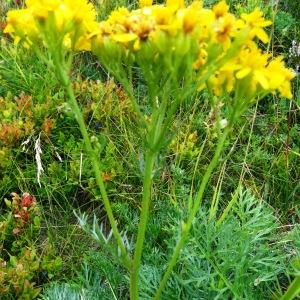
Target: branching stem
(197,202)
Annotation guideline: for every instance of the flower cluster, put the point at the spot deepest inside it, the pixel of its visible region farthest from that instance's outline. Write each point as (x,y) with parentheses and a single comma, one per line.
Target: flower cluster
(208,26)
(223,42)
(69,21)
(253,72)
(213,43)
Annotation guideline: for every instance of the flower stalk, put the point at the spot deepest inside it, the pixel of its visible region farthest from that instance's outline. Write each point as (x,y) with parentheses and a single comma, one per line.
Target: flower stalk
(63,76)
(186,227)
(147,182)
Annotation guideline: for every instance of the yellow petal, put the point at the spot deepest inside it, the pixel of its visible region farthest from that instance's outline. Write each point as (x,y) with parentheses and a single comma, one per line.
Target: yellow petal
(9,29)
(262,35)
(137,45)
(276,80)
(17,40)
(285,90)
(261,79)
(264,23)
(243,73)
(124,38)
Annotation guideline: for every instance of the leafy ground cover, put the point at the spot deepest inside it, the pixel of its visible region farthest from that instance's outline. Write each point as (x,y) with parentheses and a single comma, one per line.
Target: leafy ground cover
(54,230)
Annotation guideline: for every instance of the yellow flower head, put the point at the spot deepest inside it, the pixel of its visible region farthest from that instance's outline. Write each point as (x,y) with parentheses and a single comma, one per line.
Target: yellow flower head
(191,38)
(69,20)
(254,72)
(21,26)
(225,29)
(221,9)
(280,77)
(256,22)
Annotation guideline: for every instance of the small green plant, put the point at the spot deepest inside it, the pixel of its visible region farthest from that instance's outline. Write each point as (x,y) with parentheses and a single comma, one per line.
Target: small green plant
(22,268)
(243,255)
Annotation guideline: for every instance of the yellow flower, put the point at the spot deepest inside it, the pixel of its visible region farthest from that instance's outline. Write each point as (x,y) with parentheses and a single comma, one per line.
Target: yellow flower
(165,19)
(280,77)
(221,9)
(190,19)
(143,29)
(256,22)
(253,63)
(21,26)
(73,19)
(225,28)
(206,21)
(224,79)
(163,15)
(118,15)
(41,8)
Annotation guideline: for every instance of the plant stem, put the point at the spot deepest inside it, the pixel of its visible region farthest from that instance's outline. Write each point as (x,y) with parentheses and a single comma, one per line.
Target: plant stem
(94,160)
(187,226)
(154,135)
(134,276)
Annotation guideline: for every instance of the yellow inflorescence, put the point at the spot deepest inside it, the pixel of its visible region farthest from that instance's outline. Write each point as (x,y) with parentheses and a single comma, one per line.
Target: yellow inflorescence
(254,71)
(71,20)
(215,32)
(249,67)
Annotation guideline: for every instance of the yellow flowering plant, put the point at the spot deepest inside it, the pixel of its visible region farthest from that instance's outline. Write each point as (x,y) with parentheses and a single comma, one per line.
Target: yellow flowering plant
(62,27)
(179,50)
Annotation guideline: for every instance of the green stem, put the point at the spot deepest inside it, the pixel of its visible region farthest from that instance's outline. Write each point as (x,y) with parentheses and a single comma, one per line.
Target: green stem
(153,134)
(94,160)
(187,226)
(134,276)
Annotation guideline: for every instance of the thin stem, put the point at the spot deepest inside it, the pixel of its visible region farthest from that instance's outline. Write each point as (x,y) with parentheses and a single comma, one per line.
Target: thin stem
(94,160)
(150,159)
(173,106)
(187,226)
(154,135)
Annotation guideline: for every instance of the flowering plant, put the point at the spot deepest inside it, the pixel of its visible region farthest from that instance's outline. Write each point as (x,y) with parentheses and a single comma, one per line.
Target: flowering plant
(180,50)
